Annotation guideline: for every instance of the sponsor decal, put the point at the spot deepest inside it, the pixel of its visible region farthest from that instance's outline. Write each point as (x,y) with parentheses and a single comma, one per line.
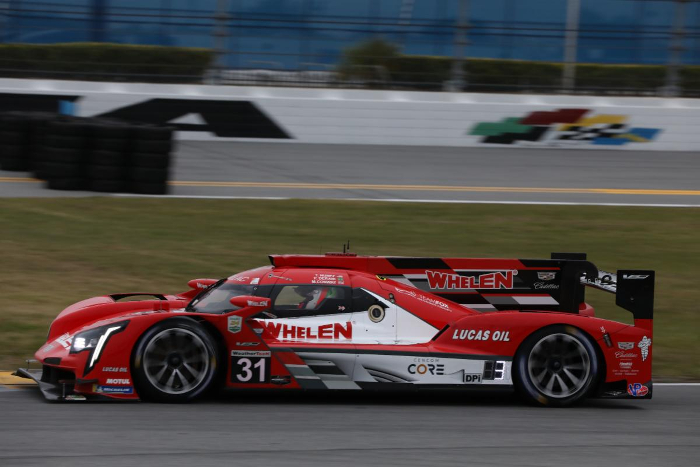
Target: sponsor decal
(201,286)
(328,279)
(434,369)
(255,281)
(247,344)
(334,331)
(635,276)
(481,335)
(472,378)
(47,348)
(625,345)
(623,354)
(280,380)
(564,126)
(74,397)
(240,278)
(113,389)
(251,353)
(626,368)
(546,275)
(257,303)
(545,286)
(258,331)
(234,324)
(118,381)
(424,299)
(115,369)
(490,280)
(644,345)
(64,341)
(279,277)
(637,390)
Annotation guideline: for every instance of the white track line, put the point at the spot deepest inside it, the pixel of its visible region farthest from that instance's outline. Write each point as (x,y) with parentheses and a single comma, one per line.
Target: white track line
(401,200)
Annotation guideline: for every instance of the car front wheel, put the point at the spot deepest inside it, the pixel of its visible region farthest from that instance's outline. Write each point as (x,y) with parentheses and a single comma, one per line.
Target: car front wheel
(174,361)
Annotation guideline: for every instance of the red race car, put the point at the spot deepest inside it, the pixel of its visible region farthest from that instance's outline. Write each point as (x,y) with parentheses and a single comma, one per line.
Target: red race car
(347,322)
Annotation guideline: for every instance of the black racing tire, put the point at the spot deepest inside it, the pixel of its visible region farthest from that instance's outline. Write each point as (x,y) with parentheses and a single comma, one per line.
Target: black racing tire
(154,132)
(152,161)
(148,175)
(66,127)
(59,170)
(108,158)
(12,137)
(149,188)
(66,184)
(69,142)
(107,172)
(14,164)
(158,361)
(556,366)
(15,123)
(62,155)
(11,151)
(39,171)
(164,146)
(108,186)
(110,131)
(110,144)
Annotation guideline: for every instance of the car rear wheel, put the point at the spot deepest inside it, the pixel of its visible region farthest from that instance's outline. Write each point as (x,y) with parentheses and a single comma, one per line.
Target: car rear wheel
(556,366)
(174,361)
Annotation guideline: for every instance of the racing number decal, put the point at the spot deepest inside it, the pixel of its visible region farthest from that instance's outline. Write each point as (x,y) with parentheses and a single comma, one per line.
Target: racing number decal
(250,366)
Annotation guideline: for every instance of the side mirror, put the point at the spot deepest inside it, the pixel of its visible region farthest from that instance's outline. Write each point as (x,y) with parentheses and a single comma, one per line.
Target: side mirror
(201,284)
(248,301)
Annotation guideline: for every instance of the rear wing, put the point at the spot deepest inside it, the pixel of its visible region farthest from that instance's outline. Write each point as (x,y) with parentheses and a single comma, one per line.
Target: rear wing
(633,289)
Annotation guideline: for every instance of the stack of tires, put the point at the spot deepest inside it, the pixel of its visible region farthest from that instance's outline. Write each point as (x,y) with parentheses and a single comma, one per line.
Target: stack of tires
(14,140)
(61,159)
(150,159)
(109,159)
(73,153)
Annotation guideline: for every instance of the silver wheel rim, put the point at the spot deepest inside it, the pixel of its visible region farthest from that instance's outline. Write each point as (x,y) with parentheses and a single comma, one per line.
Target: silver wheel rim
(176,361)
(559,366)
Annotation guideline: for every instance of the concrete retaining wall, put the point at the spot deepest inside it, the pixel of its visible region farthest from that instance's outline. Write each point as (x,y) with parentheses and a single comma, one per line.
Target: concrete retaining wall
(375,117)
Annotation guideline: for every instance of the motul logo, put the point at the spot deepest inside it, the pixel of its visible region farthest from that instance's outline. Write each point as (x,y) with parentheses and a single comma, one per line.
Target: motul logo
(335,331)
(491,280)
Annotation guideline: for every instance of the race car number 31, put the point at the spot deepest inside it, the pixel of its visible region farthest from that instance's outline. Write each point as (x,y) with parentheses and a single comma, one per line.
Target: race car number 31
(250,366)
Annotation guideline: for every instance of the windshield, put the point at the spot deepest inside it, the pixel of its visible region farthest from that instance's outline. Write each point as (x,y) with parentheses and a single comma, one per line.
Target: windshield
(216,299)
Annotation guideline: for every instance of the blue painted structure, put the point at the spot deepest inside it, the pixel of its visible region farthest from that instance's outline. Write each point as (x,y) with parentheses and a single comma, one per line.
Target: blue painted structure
(297,34)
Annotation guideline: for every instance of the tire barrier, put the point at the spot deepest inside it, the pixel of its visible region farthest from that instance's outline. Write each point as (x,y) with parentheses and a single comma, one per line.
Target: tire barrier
(73,153)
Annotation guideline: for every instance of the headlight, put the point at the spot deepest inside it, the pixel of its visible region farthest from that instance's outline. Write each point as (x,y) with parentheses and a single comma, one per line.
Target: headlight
(95,340)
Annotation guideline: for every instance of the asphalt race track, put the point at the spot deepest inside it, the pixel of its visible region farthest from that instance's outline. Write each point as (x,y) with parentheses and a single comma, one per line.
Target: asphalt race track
(425,429)
(265,429)
(238,169)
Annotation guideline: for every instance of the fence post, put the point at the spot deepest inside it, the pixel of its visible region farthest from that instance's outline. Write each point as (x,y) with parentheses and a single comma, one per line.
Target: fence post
(675,58)
(458,81)
(99,13)
(220,33)
(573,12)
